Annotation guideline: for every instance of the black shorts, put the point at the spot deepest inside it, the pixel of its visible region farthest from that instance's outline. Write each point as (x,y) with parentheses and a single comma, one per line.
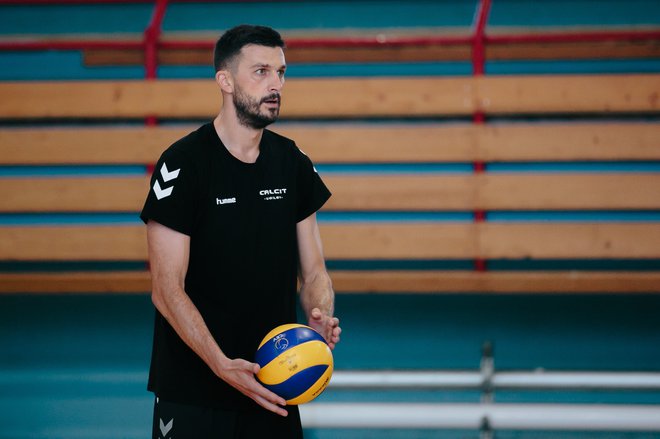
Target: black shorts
(182,421)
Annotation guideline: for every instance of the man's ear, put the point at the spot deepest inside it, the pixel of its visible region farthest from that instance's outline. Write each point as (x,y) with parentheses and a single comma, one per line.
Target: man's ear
(225,80)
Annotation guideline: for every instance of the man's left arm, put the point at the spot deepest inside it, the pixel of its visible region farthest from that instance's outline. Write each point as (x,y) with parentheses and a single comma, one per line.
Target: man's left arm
(316,294)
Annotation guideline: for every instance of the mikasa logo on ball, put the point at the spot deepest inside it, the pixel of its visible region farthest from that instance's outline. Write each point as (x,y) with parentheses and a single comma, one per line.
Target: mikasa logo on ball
(281,342)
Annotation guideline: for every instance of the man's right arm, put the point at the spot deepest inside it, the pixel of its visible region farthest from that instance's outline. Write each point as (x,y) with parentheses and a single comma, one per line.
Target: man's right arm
(169,252)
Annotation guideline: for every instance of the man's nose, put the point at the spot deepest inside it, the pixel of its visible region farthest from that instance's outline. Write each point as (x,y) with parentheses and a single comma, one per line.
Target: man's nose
(276,82)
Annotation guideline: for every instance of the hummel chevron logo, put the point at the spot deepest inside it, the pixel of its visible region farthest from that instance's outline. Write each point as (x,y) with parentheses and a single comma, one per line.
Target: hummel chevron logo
(164,429)
(167,175)
(162,193)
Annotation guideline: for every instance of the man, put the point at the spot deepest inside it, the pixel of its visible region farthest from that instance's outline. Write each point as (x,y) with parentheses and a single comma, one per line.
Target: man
(231,224)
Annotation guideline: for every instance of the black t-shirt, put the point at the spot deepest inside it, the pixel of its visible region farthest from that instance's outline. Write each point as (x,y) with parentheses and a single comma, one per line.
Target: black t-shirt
(242,274)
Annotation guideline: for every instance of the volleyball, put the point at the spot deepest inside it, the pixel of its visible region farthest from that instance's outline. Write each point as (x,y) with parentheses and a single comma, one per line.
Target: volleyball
(296,363)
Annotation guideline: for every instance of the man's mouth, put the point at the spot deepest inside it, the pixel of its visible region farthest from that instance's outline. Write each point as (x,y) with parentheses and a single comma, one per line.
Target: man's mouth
(271,100)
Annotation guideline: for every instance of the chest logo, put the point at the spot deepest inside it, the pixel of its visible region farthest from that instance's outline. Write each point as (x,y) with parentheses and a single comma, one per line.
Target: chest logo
(273,194)
(219,201)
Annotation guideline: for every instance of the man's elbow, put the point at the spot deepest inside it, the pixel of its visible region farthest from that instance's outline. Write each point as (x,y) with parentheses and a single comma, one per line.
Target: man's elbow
(158,299)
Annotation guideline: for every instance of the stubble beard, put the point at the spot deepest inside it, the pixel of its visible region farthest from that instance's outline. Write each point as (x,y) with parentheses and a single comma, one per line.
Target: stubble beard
(248,110)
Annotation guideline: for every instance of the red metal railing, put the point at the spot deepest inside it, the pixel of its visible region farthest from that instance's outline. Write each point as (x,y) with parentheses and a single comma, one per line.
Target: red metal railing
(151,37)
(479,40)
(478,69)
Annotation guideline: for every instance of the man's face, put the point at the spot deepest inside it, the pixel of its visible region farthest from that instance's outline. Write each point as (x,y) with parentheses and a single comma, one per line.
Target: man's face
(258,80)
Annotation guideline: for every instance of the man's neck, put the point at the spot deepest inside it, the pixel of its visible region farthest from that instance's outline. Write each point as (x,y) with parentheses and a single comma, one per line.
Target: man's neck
(241,141)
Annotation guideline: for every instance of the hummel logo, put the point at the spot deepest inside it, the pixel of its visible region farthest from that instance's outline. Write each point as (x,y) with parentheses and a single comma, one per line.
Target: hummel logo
(162,193)
(167,176)
(164,429)
(219,201)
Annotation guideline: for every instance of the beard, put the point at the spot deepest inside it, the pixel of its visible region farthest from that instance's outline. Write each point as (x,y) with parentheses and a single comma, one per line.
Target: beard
(248,109)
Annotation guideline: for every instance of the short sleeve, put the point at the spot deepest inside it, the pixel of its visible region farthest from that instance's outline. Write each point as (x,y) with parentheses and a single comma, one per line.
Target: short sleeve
(312,192)
(172,198)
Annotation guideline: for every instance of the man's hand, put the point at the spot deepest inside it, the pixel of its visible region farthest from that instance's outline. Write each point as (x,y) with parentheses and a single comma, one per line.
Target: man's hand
(325,325)
(240,375)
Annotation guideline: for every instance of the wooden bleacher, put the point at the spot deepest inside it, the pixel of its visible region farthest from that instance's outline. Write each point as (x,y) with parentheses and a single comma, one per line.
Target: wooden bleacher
(341,97)
(359,142)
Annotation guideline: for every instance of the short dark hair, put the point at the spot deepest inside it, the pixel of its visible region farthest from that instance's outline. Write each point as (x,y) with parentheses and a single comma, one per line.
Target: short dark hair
(233,40)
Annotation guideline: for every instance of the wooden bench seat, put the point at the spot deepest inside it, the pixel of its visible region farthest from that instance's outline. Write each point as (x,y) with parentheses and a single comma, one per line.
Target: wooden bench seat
(362,241)
(361,281)
(366,240)
(394,192)
(355,143)
(318,98)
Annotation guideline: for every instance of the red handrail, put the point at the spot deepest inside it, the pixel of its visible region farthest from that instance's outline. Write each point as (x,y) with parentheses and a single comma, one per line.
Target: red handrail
(479,38)
(574,37)
(94,2)
(66,2)
(151,37)
(27,45)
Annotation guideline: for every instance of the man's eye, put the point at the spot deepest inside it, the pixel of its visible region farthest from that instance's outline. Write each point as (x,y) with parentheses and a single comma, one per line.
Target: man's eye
(260,71)
(280,73)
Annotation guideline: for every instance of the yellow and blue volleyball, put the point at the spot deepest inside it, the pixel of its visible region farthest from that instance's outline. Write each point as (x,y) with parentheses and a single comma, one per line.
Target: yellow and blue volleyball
(296,363)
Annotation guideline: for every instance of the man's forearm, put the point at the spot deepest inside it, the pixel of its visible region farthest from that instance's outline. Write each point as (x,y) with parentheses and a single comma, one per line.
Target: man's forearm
(317,292)
(182,314)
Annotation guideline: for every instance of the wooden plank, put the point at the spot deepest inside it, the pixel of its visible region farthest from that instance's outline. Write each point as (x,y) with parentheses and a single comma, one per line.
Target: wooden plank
(432,281)
(520,142)
(303,98)
(569,240)
(127,194)
(399,241)
(400,192)
(370,282)
(491,240)
(566,191)
(86,145)
(350,97)
(77,194)
(354,143)
(367,241)
(378,97)
(383,143)
(333,142)
(73,243)
(424,192)
(494,192)
(582,50)
(568,94)
(130,57)
(294,55)
(76,282)
(109,99)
